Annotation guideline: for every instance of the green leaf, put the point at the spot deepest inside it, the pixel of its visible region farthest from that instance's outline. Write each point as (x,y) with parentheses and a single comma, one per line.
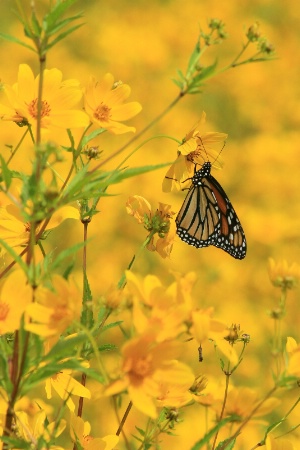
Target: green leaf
(58,26)
(206,72)
(92,135)
(15,256)
(121,175)
(86,184)
(65,346)
(57,11)
(223,446)
(110,325)
(42,373)
(205,440)
(194,58)
(178,83)
(35,25)
(107,347)
(6,174)
(62,36)
(15,40)
(141,431)
(56,263)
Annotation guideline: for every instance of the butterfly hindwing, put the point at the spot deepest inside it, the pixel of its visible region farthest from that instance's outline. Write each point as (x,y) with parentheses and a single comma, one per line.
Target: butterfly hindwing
(207,216)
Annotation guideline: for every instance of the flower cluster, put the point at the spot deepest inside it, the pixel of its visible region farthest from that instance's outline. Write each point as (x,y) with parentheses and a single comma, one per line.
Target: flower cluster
(103,102)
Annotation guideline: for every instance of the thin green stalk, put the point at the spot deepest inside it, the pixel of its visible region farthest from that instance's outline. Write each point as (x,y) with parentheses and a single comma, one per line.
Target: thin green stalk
(228,374)
(138,135)
(17,147)
(122,282)
(249,417)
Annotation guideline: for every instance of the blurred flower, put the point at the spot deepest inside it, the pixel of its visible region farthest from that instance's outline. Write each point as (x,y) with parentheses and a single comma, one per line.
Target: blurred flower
(32,406)
(204,327)
(165,310)
(138,207)
(58,100)
(33,428)
(113,298)
(278,444)
(175,394)
(208,392)
(56,309)
(15,295)
(16,233)
(146,366)
(293,350)
(80,432)
(158,223)
(65,386)
(282,275)
(103,103)
(242,401)
(196,149)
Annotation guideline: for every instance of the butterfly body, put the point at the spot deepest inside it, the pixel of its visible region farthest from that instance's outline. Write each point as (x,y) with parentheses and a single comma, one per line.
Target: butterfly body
(207,216)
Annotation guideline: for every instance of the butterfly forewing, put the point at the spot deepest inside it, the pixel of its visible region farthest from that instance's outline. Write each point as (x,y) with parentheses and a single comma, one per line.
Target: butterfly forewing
(207,216)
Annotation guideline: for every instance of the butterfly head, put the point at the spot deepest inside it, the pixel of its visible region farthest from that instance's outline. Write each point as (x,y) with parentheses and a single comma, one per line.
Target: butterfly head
(201,173)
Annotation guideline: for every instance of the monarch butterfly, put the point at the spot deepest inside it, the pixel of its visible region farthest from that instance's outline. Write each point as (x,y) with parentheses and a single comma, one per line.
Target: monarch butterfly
(207,216)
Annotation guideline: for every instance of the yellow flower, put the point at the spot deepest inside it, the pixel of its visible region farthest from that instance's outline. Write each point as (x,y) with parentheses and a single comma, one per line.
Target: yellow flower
(282,275)
(176,395)
(204,327)
(293,350)
(157,223)
(155,307)
(279,444)
(37,426)
(80,432)
(196,149)
(65,386)
(15,295)
(146,365)
(241,401)
(58,100)
(16,233)
(208,392)
(54,310)
(103,102)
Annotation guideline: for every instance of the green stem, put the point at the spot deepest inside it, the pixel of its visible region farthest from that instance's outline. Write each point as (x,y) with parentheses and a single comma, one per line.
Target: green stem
(17,147)
(138,135)
(248,418)
(122,282)
(76,154)
(228,374)
(96,201)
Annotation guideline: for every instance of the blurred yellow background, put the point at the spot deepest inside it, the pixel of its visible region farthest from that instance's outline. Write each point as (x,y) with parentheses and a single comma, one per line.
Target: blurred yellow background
(142,43)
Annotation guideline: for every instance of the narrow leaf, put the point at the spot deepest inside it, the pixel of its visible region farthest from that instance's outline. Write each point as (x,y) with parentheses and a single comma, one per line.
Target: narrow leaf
(203,441)
(6,173)
(92,135)
(57,11)
(15,256)
(58,26)
(63,35)
(15,40)
(223,446)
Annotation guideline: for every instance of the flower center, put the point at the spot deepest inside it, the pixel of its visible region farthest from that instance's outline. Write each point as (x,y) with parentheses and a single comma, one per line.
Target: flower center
(102,113)
(4,310)
(142,367)
(45,108)
(87,440)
